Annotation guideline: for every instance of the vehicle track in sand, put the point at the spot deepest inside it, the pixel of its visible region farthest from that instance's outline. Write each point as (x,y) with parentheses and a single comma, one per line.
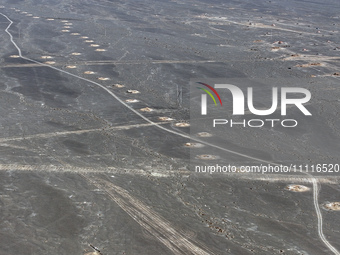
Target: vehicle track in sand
(155,224)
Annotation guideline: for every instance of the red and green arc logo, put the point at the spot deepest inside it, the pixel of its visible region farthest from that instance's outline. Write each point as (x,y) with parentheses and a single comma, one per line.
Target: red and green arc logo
(209,93)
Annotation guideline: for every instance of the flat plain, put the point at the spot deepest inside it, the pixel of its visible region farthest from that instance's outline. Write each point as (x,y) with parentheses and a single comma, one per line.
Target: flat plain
(95,127)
